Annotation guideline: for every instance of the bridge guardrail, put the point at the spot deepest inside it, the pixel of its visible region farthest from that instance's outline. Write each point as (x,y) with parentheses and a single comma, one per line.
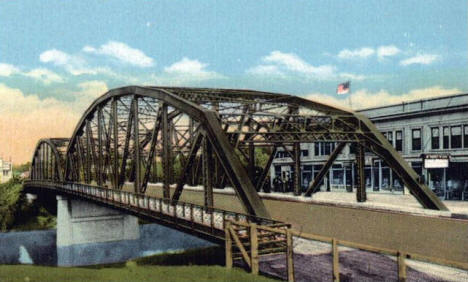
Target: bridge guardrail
(208,220)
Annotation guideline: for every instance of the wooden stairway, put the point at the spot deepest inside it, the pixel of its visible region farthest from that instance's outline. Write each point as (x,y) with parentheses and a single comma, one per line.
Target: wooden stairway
(247,242)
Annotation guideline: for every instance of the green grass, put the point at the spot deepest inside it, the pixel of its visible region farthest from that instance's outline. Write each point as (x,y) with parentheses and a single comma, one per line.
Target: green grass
(131,272)
(192,265)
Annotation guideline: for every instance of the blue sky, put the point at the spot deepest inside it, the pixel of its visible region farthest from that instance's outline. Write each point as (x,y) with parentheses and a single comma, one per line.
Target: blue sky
(68,52)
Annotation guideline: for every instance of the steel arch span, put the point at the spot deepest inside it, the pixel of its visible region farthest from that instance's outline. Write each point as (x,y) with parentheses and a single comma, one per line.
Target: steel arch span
(49,159)
(201,136)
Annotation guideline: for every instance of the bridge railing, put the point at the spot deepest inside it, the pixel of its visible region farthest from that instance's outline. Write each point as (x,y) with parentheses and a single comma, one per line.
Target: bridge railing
(211,221)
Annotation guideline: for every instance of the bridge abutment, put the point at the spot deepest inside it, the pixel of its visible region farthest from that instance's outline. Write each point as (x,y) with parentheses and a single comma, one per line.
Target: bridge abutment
(88,233)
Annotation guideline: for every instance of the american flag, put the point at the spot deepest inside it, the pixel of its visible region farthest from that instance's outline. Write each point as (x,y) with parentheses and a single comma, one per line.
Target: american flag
(343,88)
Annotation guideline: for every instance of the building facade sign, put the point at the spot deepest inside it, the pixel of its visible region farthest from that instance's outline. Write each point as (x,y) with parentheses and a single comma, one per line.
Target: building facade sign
(436,161)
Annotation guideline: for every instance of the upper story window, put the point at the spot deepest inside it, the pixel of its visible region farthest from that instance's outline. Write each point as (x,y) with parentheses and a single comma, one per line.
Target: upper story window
(282,154)
(324,148)
(399,140)
(446,139)
(455,138)
(435,138)
(416,139)
(465,136)
(389,136)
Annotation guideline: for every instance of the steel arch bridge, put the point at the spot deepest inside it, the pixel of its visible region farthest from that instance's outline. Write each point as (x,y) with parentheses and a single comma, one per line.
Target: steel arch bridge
(200,136)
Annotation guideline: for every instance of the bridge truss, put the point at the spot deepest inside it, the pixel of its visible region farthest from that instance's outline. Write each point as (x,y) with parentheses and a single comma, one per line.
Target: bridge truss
(209,137)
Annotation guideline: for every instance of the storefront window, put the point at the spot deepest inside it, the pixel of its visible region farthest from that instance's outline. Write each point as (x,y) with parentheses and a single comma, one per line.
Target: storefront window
(306,176)
(457,181)
(315,172)
(417,166)
(455,138)
(368,176)
(416,140)
(436,181)
(385,181)
(376,171)
(435,144)
(397,183)
(338,176)
(348,176)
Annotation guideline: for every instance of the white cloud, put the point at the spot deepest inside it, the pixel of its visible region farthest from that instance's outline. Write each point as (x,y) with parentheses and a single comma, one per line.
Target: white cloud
(123,53)
(7,69)
(55,56)
(289,65)
(387,51)
(362,98)
(361,53)
(187,70)
(423,59)
(366,52)
(89,49)
(292,62)
(265,70)
(74,64)
(44,75)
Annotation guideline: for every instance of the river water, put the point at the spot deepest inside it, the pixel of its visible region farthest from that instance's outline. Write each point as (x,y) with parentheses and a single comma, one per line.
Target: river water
(39,247)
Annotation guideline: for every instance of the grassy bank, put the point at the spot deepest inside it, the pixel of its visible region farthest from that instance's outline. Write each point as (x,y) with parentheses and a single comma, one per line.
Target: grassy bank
(186,266)
(17,213)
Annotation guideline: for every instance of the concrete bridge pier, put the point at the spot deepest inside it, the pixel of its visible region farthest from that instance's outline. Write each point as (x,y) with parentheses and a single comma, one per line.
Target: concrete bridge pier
(88,233)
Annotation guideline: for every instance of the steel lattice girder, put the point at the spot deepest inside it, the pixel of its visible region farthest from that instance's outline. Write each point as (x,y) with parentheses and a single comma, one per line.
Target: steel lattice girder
(136,126)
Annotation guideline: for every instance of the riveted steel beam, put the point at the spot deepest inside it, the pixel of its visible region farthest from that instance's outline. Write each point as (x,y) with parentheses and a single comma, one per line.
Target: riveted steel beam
(115,159)
(208,172)
(128,134)
(166,135)
(100,161)
(326,167)
(361,181)
(152,151)
(136,145)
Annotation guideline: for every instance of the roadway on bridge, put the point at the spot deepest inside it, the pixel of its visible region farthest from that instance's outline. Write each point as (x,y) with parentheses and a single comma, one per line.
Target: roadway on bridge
(429,233)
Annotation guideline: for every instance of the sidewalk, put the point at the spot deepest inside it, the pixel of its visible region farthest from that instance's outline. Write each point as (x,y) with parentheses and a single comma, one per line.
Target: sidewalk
(382,201)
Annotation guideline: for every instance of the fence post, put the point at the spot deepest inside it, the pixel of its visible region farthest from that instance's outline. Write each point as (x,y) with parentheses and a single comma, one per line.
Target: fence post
(336,262)
(401,267)
(254,248)
(289,255)
(228,246)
